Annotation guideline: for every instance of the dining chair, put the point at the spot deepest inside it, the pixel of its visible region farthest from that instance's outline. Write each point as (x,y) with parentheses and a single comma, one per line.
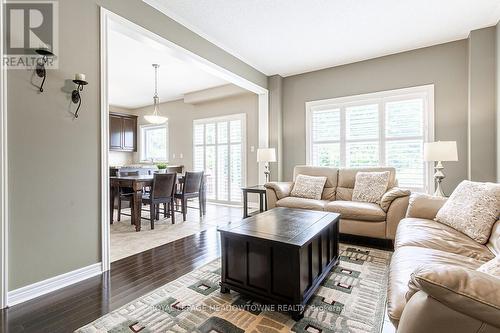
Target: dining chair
(190,189)
(162,192)
(126,193)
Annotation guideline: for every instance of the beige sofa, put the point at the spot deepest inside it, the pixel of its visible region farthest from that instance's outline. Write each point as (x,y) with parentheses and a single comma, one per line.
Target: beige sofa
(357,218)
(433,282)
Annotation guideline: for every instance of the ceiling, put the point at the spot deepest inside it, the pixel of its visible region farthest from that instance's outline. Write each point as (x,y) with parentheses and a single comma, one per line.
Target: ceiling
(131,74)
(294,36)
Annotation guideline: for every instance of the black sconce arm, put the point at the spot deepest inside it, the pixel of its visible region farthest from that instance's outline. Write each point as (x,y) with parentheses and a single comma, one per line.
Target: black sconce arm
(75,95)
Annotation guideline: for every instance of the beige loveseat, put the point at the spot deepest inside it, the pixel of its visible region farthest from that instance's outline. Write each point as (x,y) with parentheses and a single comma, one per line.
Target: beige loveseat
(357,218)
(433,282)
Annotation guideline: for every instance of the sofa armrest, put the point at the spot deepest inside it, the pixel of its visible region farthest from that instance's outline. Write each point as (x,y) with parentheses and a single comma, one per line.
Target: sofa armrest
(282,189)
(467,291)
(395,213)
(392,195)
(271,198)
(276,191)
(424,206)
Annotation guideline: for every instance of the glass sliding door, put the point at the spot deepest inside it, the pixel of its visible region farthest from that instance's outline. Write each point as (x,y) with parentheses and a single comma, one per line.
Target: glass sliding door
(219,150)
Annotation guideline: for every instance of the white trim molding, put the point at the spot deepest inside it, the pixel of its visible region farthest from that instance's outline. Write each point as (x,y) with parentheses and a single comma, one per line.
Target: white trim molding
(52,284)
(105,211)
(4,195)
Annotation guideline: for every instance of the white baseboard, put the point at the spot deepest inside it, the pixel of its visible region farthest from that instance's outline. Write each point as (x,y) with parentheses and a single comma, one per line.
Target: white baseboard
(31,291)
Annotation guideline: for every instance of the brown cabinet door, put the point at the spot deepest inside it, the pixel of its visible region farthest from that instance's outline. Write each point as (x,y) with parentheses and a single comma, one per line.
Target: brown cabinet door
(115,132)
(129,134)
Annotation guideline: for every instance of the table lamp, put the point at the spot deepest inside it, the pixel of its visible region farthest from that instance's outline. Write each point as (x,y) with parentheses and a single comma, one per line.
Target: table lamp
(266,155)
(440,151)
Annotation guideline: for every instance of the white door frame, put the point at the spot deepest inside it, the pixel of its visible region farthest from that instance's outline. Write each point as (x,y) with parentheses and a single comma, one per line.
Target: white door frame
(4,207)
(185,55)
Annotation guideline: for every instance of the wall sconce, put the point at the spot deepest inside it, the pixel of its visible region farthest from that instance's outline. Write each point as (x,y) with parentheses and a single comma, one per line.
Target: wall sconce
(40,64)
(75,95)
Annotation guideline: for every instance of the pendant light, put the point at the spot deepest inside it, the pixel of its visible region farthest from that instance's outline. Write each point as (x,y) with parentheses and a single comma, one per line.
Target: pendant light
(156,117)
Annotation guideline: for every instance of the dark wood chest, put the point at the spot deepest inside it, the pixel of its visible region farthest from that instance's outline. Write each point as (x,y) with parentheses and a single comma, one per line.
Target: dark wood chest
(280,256)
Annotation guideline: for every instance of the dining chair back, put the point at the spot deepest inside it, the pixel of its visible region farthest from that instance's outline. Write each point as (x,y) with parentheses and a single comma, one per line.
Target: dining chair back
(162,192)
(191,188)
(192,182)
(163,185)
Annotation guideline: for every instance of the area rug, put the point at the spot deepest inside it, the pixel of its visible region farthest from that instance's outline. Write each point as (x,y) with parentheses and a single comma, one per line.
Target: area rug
(351,299)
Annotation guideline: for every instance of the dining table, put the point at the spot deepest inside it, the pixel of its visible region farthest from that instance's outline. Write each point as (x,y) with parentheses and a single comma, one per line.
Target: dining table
(137,183)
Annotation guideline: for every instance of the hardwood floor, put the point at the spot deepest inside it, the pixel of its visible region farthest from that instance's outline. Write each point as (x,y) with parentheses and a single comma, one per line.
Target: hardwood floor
(67,309)
(70,308)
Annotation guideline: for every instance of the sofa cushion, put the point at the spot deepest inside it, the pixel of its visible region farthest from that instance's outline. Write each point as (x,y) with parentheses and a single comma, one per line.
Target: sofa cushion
(405,261)
(294,202)
(357,210)
(329,173)
(308,187)
(370,186)
(434,235)
(344,193)
(472,208)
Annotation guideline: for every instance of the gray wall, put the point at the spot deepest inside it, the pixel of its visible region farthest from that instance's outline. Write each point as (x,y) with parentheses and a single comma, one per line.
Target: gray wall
(482,105)
(180,126)
(54,160)
(275,87)
(444,65)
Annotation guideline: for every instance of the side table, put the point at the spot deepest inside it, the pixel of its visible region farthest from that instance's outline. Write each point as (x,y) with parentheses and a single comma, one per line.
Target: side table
(259,189)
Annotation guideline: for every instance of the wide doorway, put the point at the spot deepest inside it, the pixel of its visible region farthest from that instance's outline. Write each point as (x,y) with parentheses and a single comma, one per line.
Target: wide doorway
(207,113)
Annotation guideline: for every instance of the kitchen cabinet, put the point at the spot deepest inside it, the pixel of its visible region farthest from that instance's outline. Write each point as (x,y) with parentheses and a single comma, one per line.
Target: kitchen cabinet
(122,132)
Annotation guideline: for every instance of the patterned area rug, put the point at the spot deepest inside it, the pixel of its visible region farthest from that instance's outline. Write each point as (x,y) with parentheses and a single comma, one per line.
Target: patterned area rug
(351,299)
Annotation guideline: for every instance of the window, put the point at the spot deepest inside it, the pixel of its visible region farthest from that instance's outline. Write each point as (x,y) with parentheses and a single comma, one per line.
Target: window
(154,142)
(380,129)
(219,145)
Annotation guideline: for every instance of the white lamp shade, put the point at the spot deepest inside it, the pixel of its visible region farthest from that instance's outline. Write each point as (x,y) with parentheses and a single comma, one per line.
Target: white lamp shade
(266,155)
(155,119)
(440,151)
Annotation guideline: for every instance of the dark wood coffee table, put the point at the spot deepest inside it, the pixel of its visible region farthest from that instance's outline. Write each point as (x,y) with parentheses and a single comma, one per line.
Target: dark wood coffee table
(280,256)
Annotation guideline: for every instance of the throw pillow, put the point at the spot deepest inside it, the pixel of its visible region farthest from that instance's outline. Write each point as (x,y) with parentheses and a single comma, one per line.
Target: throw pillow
(491,267)
(472,209)
(370,186)
(308,187)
